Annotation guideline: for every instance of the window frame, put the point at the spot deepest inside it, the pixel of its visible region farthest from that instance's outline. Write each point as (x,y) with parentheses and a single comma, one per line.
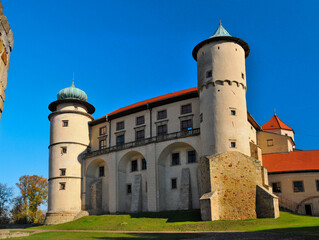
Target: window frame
(134,168)
(144,164)
(138,119)
(161,115)
(122,142)
(173,183)
(100,145)
(139,138)
(186,108)
(65,123)
(162,132)
(103,171)
(173,163)
(62,186)
(188,128)
(195,156)
(295,187)
(120,125)
(129,188)
(277,187)
(101,131)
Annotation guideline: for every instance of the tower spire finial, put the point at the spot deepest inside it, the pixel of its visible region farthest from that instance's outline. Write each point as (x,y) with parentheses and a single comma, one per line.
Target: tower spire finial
(73,80)
(220,22)
(275,111)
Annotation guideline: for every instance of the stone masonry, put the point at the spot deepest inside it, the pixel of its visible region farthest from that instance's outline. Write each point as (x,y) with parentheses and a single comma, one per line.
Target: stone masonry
(6,45)
(232,183)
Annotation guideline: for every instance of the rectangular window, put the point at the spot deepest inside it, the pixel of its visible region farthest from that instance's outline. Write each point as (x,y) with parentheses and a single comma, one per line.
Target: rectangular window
(63,150)
(140,135)
(242,76)
(175,159)
(101,171)
(140,120)
(209,74)
(317,183)
(62,171)
(102,143)
(201,117)
(191,156)
(270,142)
(62,186)
(162,129)
(187,125)
(144,165)
(65,123)
(161,114)
(129,188)
(298,186)
(233,112)
(232,144)
(120,125)
(119,140)
(102,131)
(174,183)
(186,108)
(134,165)
(276,187)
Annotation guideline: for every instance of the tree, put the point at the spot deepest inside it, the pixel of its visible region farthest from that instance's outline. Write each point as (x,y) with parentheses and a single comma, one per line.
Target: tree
(5,198)
(34,192)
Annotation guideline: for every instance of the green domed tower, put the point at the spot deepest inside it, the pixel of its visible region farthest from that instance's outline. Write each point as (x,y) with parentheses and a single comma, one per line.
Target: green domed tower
(69,139)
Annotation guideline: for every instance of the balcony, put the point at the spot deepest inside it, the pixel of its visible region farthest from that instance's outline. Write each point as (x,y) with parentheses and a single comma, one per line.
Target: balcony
(160,138)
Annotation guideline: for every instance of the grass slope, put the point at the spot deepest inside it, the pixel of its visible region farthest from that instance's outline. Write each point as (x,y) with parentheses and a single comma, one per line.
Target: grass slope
(189,221)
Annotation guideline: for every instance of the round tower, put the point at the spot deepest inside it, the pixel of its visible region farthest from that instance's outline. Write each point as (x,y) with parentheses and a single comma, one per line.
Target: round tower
(222,93)
(69,139)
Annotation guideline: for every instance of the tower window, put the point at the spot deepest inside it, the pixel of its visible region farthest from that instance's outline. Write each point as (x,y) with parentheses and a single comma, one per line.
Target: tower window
(101,171)
(242,76)
(63,150)
(161,114)
(102,143)
(317,184)
(62,171)
(276,187)
(140,120)
(298,186)
(186,108)
(62,186)
(270,142)
(129,188)
(65,123)
(209,74)
(175,159)
(134,166)
(174,183)
(233,112)
(144,164)
(191,156)
(102,131)
(233,144)
(120,125)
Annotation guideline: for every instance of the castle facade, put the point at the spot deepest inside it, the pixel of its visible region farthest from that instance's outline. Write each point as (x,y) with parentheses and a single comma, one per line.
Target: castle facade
(198,148)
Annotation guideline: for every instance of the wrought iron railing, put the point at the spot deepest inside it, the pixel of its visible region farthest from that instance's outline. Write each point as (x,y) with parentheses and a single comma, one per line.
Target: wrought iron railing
(160,138)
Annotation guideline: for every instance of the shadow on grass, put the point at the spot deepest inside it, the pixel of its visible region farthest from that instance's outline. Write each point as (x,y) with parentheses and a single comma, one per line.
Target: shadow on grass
(172,216)
(172,236)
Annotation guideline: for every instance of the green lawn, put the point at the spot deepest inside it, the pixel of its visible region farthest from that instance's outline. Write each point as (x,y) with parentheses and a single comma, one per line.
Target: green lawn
(188,221)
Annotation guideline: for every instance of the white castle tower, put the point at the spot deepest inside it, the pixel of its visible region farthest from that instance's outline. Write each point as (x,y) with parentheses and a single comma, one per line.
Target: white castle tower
(222,93)
(69,139)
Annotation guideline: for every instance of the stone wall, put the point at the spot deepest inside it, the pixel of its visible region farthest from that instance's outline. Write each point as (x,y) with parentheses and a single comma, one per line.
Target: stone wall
(6,45)
(229,191)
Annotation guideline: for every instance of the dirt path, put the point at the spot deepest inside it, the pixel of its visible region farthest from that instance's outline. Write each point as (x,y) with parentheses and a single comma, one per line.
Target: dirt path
(228,235)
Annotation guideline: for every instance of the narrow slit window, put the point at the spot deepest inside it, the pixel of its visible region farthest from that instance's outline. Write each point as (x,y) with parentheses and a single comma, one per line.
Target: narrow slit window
(209,74)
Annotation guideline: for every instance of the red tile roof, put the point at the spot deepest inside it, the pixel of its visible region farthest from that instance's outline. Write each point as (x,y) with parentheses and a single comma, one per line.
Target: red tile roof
(166,96)
(292,161)
(275,123)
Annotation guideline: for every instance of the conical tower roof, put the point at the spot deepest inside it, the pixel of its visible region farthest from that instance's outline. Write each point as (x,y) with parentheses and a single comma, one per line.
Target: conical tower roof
(275,123)
(221,31)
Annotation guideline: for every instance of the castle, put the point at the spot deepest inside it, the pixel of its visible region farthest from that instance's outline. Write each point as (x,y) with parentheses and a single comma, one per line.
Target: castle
(6,45)
(198,148)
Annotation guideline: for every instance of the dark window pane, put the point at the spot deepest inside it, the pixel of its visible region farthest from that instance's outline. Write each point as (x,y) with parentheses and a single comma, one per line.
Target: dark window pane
(175,159)
(134,166)
(162,129)
(144,165)
(186,109)
(298,186)
(129,188)
(186,125)
(62,171)
(120,125)
(140,135)
(276,187)
(191,156)
(102,143)
(140,120)
(102,131)
(101,171)
(174,183)
(120,140)
(161,114)
(317,183)
(232,144)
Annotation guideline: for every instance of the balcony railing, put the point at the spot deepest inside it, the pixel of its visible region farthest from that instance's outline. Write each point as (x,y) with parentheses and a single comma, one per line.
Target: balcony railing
(160,138)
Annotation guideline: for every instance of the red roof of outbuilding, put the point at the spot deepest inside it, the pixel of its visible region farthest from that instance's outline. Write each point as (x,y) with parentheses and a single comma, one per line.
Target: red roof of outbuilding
(292,161)
(275,123)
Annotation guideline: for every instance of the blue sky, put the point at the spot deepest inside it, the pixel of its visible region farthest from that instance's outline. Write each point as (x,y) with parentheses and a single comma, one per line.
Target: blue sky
(126,51)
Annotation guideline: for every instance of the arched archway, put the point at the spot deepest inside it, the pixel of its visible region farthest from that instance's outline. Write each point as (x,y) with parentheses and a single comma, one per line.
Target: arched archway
(132,183)
(302,203)
(97,188)
(178,177)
